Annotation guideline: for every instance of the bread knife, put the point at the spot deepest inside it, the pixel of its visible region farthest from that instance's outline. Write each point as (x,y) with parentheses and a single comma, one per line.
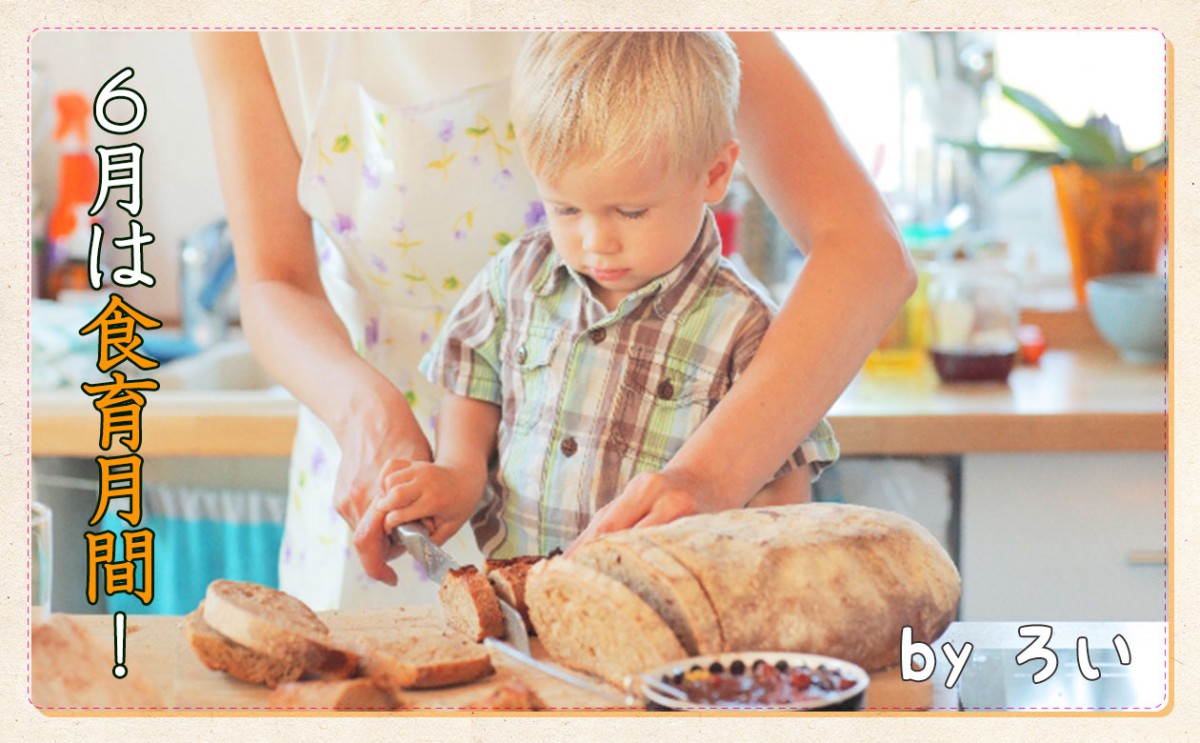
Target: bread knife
(560,673)
(437,562)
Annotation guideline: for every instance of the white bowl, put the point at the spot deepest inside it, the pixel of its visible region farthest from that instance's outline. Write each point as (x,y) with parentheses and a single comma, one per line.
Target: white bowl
(652,685)
(1130,311)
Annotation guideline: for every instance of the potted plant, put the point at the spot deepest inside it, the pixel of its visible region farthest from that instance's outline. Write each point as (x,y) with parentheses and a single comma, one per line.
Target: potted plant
(1111,201)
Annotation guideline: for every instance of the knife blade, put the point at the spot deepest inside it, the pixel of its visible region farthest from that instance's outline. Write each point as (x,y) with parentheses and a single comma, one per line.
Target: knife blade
(560,673)
(437,562)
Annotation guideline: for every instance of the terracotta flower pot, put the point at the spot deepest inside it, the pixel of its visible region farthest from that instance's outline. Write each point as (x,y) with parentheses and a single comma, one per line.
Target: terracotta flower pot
(1113,220)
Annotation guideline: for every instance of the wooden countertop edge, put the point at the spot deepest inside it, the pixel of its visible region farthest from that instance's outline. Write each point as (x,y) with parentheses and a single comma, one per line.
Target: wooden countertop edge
(939,435)
(259,433)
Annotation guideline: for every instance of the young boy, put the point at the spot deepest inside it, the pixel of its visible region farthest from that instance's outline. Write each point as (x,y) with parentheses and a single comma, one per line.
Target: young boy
(588,352)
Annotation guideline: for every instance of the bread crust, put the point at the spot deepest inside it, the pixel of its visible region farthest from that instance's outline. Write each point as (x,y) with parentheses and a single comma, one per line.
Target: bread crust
(219,653)
(508,577)
(826,578)
(278,625)
(470,604)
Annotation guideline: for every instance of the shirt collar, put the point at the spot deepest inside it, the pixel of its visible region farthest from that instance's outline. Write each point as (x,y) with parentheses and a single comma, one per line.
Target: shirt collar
(674,289)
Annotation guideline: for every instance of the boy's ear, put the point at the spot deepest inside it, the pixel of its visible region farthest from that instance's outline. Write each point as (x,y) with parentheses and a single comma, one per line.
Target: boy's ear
(719,174)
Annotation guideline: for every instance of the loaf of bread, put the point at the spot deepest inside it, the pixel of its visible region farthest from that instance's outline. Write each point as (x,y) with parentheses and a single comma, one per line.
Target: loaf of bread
(470,604)
(359,694)
(275,624)
(824,578)
(218,653)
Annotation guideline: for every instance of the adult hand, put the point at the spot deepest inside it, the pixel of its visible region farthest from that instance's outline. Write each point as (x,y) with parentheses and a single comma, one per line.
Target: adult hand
(379,433)
(440,497)
(653,498)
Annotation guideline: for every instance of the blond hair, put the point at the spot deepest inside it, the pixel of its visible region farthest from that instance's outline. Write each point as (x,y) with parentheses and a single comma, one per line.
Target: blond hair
(604,97)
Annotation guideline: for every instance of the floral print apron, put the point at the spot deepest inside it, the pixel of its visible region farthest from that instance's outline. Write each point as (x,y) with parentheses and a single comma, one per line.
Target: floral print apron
(407,203)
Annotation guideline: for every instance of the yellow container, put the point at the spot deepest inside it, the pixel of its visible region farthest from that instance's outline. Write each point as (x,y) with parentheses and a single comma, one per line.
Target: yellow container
(903,348)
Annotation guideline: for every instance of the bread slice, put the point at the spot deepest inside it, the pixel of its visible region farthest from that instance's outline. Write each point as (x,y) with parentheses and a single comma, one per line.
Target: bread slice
(508,577)
(278,625)
(510,695)
(343,695)
(825,578)
(470,604)
(218,653)
(425,661)
(662,582)
(596,624)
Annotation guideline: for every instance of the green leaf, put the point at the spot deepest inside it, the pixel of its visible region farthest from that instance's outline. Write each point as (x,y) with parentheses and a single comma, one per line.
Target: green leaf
(342,143)
(984,149)
(1152,156)
(1085,145)
(1034,161)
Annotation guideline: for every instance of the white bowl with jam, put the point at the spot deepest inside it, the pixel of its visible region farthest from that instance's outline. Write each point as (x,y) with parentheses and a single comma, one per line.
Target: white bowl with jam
(753,681)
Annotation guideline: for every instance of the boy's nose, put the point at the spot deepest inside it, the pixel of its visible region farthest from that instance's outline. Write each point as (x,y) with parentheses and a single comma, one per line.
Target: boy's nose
(597,238)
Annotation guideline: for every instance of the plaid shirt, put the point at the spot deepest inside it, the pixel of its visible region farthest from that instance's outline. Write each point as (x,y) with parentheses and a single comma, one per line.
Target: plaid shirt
(589,398)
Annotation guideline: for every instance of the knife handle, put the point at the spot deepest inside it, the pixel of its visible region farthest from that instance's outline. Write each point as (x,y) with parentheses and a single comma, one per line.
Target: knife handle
(413,528)
(409,529)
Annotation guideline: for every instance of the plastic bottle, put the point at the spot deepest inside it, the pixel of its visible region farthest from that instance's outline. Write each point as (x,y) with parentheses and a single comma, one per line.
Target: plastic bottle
(69,227)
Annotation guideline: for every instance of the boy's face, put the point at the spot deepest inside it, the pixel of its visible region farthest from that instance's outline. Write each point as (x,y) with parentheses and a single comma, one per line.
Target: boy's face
(622,227)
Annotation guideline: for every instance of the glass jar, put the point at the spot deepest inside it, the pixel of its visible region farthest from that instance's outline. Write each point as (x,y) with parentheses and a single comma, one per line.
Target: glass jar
(973,320)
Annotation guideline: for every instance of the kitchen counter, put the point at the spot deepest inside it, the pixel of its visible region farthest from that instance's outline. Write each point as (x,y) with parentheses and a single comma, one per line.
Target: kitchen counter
(1079,398)
(159,659)
(1075,400)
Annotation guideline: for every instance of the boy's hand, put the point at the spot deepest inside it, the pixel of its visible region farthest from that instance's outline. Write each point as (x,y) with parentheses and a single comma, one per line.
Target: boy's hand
(653,498)
(442,497)
(378,424)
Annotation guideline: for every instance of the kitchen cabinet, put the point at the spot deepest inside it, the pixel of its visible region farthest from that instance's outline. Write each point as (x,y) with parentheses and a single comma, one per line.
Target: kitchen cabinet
(1059,537)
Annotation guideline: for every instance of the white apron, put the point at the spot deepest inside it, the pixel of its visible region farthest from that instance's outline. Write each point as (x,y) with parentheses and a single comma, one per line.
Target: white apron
(408,201)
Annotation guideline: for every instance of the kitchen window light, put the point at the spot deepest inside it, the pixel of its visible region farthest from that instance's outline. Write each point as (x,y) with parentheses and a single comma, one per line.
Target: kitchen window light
(869,91)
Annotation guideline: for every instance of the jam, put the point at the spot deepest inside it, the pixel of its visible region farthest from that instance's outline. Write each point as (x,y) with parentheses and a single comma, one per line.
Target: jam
(973,365)
(761,684)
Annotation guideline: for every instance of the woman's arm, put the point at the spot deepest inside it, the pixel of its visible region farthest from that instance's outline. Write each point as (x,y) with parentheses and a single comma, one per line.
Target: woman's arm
(287,318)
(856,278)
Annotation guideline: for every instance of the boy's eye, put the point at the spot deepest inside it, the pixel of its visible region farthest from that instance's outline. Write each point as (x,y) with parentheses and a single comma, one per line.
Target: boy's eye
(565,211)
(632,213)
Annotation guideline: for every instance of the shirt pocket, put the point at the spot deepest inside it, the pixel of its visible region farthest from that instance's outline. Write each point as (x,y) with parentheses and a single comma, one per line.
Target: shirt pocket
(662,401)
(536,379)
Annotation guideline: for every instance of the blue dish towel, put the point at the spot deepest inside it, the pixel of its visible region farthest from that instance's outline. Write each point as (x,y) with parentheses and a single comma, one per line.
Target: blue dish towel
(200,535)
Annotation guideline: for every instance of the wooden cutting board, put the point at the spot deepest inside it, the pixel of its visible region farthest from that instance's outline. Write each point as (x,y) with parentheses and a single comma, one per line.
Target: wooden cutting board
(73,676)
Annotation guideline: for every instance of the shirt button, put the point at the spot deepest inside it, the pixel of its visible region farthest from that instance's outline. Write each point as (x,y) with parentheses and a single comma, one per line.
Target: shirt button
(521,355)
(568,447)
(666,390)
(598,335)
